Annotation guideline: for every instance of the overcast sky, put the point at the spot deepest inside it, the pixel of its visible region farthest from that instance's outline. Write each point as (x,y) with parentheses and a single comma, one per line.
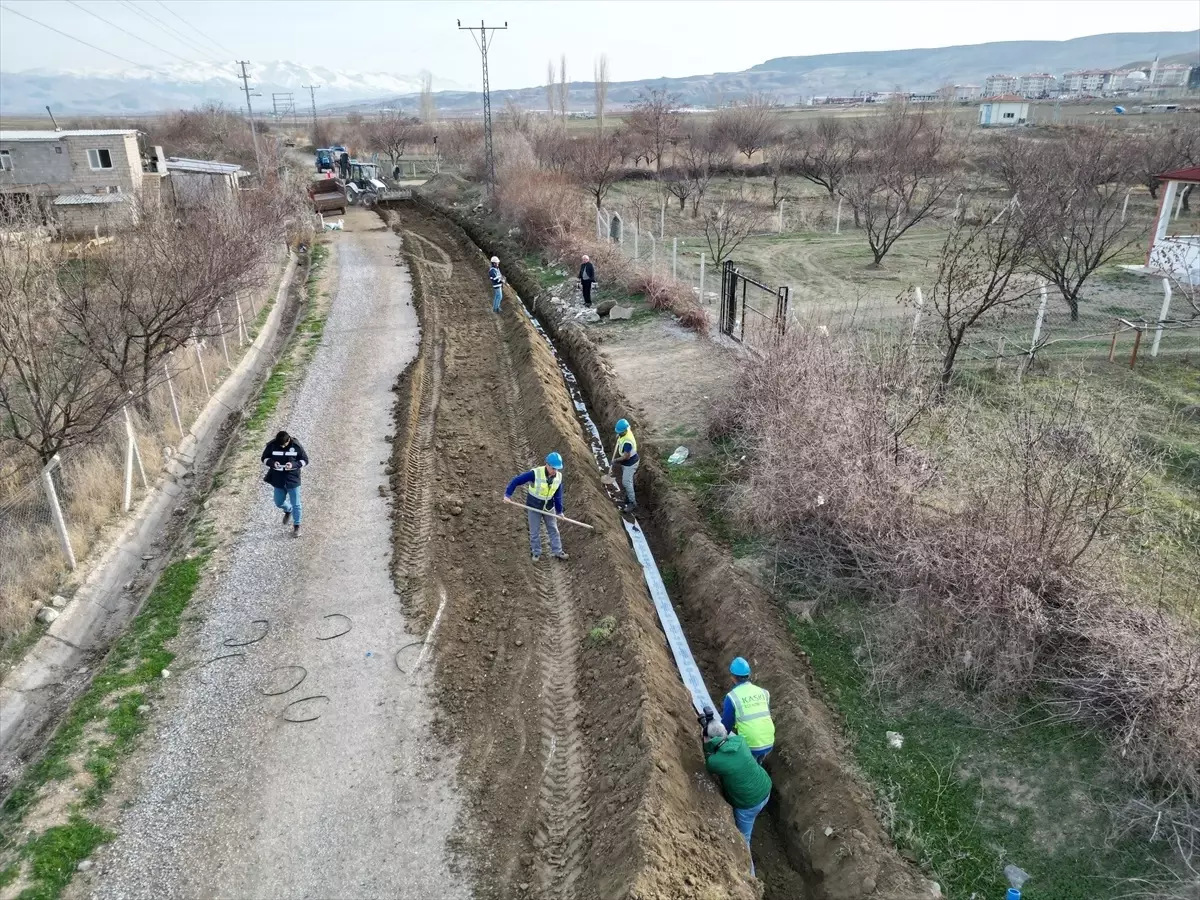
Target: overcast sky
(643,38)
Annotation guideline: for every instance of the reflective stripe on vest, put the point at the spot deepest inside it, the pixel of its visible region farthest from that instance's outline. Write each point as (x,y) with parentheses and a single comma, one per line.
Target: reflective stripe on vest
(543,488)
(627,438)
(752,715)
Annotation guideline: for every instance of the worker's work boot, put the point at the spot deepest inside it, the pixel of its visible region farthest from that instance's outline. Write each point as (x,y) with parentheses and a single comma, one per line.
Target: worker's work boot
(287,516)
(562,554)
(535,557)
(295,531)
(629,507)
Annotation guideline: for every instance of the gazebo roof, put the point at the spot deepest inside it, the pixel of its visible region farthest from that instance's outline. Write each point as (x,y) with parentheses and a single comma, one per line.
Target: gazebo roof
(1191,174)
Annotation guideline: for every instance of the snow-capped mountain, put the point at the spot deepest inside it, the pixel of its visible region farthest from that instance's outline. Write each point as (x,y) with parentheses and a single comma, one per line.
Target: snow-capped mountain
(146,89)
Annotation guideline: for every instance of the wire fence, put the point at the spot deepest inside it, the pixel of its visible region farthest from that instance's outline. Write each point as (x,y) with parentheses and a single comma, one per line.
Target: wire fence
(50,520)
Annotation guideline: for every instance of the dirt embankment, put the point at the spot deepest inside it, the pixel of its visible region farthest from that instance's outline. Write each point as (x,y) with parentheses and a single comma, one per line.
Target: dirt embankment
(823,814)
(581,758)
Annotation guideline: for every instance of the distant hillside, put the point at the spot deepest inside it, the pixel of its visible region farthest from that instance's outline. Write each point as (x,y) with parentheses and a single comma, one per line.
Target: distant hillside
(792,79)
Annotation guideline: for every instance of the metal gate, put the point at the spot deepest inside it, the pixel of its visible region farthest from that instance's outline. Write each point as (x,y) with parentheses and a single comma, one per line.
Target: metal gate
(746,301)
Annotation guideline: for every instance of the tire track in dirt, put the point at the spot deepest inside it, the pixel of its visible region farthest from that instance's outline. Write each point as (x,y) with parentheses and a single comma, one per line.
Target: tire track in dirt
(562,806)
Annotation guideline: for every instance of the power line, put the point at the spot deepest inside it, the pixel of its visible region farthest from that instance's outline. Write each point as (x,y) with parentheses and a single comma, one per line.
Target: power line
(250,112)
(71,36)
(167,30)
(128,32)
(221,47)
(312,96)
(484,41)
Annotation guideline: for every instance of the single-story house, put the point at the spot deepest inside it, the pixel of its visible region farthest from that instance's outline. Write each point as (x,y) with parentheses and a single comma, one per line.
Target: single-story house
(1004,111)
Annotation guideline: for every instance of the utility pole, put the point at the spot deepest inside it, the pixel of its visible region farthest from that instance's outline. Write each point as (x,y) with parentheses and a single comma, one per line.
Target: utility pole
(250,112)
(483,40)
(312,96)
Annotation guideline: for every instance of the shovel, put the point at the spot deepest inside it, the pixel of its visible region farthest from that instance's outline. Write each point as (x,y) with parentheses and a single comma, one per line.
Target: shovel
(512,502)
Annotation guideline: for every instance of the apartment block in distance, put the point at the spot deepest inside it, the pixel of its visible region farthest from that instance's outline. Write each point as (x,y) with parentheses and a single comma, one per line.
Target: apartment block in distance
(997,85)
(84,181)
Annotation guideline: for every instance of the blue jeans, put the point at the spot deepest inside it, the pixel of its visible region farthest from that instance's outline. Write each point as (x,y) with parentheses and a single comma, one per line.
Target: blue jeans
(761,755)
(745,824)
(497,296)
(536,523)
(289,499)
(627,473)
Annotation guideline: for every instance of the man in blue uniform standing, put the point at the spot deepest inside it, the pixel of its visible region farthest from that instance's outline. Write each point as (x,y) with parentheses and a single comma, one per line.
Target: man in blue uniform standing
(747,711)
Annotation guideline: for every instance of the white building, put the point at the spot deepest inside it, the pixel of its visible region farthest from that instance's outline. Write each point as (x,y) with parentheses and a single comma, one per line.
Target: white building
(996,85)
(964,92)
(1169,76)
(1039,84)
(1091,81)
(1005,111)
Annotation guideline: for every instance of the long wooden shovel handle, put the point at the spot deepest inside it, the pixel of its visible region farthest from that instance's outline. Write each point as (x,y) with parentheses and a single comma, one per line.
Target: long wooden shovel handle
(512,502)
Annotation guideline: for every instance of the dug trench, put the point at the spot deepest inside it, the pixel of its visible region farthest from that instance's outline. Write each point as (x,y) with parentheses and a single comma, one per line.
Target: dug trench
(821,836)
(579,754)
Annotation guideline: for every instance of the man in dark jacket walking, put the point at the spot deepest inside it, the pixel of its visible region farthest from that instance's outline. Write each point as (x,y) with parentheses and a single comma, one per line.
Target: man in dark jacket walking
(745,784)
(587,278)
(284,458)
(344,165)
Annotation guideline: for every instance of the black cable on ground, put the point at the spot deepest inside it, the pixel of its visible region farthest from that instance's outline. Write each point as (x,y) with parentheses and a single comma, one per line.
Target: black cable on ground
(303,675)
(396,658)
(230,642)
(340,633)
(283,714)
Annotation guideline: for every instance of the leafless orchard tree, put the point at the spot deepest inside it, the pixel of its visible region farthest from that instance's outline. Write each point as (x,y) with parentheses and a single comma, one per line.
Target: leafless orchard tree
(656,122)
(678,186)
(392,132)
(1076,196)
(704,153)
(553,149)
(783,157)
(830,151)
(428,103)
(53,394)
(907,169)
(597,165)
(601,79)
(1163,149)
(727,224)
(750,124)
(979,271)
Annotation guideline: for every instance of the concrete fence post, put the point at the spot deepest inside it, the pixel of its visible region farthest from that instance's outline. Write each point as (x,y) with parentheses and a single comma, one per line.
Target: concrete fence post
(221,329)
(701,277)
(200,362)
(636,254)
(674,256)
(653,251)
(1162,318)
(60,524)
(837,225)
(781,202)
(920,301)
(662,220)
(241,322)
(599,232)
(174,402)
(132,455)
(1125,205)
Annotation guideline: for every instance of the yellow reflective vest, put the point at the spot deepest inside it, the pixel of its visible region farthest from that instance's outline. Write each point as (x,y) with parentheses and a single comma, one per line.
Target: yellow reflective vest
(626,438)
(544,488)
(752,715)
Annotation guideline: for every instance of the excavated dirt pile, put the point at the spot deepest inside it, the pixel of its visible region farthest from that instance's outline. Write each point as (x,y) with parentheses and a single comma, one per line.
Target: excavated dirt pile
(821,816)
(580,754)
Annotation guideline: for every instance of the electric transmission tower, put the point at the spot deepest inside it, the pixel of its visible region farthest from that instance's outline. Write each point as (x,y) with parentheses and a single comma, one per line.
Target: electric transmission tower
(250,112)
(483,40)
(312,96)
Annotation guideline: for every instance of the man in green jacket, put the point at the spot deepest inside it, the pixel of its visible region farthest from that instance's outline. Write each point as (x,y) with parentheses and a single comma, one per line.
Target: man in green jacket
(745,784)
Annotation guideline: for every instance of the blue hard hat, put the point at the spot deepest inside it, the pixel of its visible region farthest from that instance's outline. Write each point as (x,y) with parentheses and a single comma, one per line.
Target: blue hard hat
(622,426)
(739,668)
(554,460)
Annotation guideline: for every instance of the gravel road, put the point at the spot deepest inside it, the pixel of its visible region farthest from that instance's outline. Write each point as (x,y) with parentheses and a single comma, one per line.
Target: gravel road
(232,801)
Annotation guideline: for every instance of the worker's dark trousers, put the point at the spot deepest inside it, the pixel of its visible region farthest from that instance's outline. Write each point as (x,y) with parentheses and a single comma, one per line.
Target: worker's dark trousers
(587,293)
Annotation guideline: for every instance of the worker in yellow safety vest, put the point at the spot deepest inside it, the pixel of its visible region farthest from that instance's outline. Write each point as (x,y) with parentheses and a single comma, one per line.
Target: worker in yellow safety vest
(747,711)
(544,494)
(625,458)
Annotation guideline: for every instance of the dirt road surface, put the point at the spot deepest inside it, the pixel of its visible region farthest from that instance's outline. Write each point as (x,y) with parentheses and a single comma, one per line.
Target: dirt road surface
(233,801)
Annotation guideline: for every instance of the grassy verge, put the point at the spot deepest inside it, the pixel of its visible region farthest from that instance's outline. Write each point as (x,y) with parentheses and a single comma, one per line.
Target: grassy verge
(309,331)
(95,737)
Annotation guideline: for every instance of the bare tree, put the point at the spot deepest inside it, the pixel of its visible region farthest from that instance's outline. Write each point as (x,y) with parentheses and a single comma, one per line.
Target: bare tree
(597,165)
(564,89)
(1076,198)
(391,131)
(428,104)
(655,120)
(783,157)
(906,172)
(553,149)
(705,152)
(830,151)
(601,78)
(551,89)
(1164,149)
(728,224)
(750,124)
(678,187)
(53,394)
(979,271)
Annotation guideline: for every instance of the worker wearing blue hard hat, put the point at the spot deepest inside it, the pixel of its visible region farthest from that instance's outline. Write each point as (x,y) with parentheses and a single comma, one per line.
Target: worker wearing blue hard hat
(747,711)
(543,495)
(625,459)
